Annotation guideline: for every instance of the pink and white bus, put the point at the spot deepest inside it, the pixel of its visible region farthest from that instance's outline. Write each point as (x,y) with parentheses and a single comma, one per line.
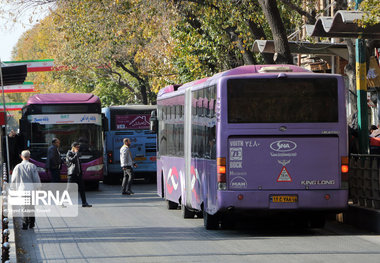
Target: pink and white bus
(69,117)
(254,138)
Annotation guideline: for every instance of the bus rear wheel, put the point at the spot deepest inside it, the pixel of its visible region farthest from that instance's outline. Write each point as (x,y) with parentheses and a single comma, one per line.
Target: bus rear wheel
(227,222)
(92,185)
(211,222)
(171,205)
(186,213)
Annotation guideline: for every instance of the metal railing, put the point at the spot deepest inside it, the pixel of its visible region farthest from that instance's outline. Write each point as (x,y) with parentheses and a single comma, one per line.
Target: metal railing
(5,246)
(364,180)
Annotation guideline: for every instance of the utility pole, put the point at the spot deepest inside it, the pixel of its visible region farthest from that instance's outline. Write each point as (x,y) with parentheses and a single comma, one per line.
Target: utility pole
(361,90)
(5,120)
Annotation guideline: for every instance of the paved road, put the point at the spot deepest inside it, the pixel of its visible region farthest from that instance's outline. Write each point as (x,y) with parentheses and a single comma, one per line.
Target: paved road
(139,228)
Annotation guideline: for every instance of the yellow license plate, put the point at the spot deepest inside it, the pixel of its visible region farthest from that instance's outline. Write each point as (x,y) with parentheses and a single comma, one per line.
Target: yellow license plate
(63,176)
(284,198)
(140,158)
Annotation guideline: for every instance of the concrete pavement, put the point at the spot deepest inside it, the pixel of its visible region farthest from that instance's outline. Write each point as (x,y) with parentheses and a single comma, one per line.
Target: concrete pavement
(139,228)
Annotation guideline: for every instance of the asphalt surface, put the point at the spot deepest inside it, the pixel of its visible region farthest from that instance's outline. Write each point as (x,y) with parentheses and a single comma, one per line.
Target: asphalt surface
(139,228)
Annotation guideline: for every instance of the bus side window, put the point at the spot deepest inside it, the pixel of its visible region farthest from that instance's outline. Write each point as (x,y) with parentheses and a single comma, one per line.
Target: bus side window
(153,121)
(181,131)
(162,132)
(193,124)
(105,122)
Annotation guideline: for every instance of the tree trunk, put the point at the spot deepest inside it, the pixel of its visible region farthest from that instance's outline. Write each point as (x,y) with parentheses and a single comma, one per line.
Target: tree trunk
(248,57)
(259,33)
(283,55)
(349,70)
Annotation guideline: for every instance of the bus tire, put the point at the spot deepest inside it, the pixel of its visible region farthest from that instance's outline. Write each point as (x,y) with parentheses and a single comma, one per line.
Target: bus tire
(107,180)
(227,222)
(91,185)
(150,179)
(186,213)
(317,221)
(171,205)
(199,214)
(96,186)
(211,222)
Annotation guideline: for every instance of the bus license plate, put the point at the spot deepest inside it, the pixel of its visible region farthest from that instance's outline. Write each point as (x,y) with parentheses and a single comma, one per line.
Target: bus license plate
(63,176)
(284,198)
(140,158)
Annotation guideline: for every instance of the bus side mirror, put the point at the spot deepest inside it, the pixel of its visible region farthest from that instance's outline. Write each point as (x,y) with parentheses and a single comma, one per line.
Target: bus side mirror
(23,127)
(153,122)
(104,122)
(23,124)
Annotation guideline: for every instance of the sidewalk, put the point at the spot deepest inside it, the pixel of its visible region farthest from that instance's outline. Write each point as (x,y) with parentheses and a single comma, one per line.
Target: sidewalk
(103,233)
(54,239)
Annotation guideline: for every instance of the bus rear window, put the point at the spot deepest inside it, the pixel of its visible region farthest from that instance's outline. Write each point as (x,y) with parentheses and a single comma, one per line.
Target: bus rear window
(282,100)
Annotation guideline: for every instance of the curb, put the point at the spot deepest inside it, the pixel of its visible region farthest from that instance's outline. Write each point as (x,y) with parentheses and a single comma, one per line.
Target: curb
(12,241)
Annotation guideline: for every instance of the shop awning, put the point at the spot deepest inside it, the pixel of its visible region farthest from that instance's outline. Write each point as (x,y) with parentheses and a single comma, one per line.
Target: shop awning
(343,25)
(303,47)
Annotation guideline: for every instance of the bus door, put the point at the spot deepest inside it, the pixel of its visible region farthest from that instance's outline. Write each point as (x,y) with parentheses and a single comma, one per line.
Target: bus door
(283,163)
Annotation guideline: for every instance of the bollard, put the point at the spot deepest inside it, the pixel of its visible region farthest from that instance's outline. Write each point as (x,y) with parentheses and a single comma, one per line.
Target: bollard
(5,251)
(6,234)
(5,223)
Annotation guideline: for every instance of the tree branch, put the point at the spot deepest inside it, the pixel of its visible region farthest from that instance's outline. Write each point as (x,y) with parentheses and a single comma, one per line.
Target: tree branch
(310,17)
(248,57)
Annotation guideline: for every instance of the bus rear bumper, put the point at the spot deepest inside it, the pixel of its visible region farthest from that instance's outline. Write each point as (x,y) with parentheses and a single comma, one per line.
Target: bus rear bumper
(327,200)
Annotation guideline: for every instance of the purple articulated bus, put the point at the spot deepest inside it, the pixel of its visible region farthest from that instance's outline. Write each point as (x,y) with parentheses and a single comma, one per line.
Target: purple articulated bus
(69,117)
(255,138)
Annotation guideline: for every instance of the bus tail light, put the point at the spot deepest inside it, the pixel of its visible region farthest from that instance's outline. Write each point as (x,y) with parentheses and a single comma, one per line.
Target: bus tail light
(221,173)
(110,157)
(344,172)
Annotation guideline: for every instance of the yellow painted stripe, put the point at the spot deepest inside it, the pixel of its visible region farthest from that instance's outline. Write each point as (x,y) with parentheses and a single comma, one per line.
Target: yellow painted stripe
(361,76)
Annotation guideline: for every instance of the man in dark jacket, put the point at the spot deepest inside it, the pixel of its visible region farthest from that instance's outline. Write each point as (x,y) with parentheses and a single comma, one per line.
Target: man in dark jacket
(54,161)
(74,171)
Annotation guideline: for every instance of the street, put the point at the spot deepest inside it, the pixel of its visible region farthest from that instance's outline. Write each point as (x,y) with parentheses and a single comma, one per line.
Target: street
(139,228)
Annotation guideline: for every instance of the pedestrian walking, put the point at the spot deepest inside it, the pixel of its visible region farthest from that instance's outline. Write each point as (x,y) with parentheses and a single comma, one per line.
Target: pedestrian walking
(54,161)
(127,164)
(74,171)
(25,178)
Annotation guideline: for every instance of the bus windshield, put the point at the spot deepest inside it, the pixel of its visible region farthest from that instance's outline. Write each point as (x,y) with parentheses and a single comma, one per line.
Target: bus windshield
(88,135)
(285,100)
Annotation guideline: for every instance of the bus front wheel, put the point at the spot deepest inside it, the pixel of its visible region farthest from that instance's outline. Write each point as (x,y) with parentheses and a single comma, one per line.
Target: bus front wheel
(211,222)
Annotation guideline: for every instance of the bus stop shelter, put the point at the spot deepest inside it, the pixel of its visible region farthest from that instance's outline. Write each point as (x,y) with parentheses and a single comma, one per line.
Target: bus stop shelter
(364,175)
